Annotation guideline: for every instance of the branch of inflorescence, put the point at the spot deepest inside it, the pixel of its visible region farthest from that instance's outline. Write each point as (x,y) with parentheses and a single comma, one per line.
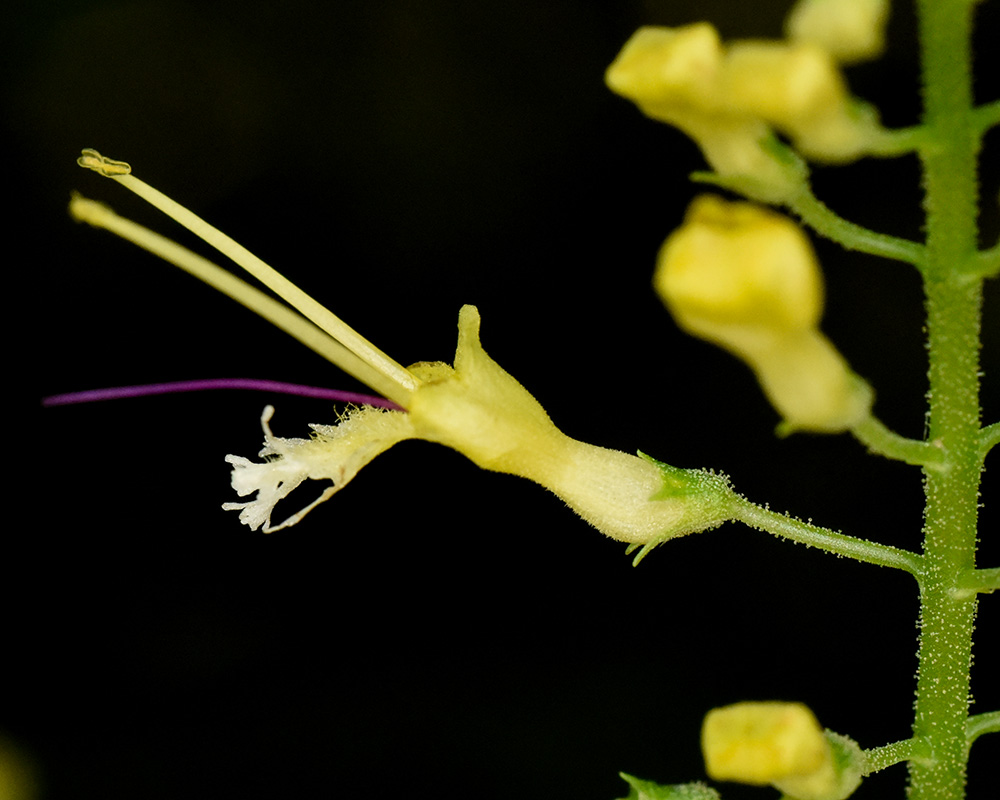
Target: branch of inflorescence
(979,724)
(879,758)
(979,581)
(919,749)
(816,215)
(825,539)
(986,116)
(880,440)
(989,437)
(986,263)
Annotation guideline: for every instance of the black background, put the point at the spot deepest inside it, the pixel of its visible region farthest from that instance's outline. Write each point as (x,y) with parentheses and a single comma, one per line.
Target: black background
(432,630)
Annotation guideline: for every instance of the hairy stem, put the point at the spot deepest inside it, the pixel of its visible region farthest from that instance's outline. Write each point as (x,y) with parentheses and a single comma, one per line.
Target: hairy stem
(989,437)
(982,723)
(874,435)
(838,543)
(879,758)
(953,323)
(982,581)
(850,235)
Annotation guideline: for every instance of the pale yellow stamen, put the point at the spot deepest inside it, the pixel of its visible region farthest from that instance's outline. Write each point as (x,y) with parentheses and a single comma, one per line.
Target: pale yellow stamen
(280,315)
(394,382)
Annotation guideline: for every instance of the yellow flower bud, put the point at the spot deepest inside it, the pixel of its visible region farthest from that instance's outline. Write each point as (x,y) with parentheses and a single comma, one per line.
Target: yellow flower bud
(759,743)
(746,278)
(675,75)
(799,90)
(731,99)
(850,30)
(668,70)
(780,744)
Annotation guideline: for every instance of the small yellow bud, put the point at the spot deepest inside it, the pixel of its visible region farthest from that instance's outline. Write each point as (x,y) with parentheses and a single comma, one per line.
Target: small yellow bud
(849,30)
(746,278)
(739,265)
(676,75)
(799,90)
(780,744)
(731,99)
(666,70)
(760,743)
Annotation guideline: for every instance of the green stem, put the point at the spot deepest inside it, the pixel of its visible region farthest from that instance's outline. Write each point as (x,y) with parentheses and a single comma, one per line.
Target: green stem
(874,435)
(986,263)
(838,543)
(982,581)
(989,437)
(953,324)
(897,142)
(878,758)
(980,724)
(814,213)
(820,218)
(986,116)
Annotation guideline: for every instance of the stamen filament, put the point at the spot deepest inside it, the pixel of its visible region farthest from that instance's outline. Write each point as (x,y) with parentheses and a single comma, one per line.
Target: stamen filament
(278,314)
(278,283)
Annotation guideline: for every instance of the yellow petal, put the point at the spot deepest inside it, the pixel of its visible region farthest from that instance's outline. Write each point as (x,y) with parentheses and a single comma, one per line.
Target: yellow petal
(760,743)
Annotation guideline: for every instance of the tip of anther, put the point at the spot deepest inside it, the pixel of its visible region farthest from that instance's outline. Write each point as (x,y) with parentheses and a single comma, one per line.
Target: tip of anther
(107,167)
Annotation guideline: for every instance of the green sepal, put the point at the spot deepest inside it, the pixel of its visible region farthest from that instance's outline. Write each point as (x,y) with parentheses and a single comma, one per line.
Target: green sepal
(680,482)
(849,767)
(710,495)
(793,168)
(647,790)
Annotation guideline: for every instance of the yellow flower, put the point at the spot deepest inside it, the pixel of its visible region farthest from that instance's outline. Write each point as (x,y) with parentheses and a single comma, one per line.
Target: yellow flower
(797,88)
(473,406)
(731,99)
(674,75)
(480,410)
(746,278)
(780,744)
(849,30)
